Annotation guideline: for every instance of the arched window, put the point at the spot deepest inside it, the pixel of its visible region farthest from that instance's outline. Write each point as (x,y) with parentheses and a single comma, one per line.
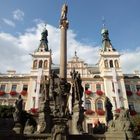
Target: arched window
(88,104)
(116,64)
(40,64)
(99,104)
(106,64)
(35,64)
(111,63)
(45,64)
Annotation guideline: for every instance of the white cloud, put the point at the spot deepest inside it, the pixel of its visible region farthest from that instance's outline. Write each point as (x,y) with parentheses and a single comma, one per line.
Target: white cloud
(130,60)
(15,50)
(8,22)
(18,14)
(38,20)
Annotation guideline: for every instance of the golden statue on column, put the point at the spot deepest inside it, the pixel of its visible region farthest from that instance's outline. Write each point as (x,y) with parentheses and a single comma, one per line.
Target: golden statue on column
(63,18)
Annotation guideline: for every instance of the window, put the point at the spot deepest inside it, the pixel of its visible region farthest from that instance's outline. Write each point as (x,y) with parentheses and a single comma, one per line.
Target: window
(2,88)
(98,87)
(40,64)
(106,63)
(14,87)
(45,64)
(131,106)
(35,64)
(127,87)
(25,87)
(87,86)
(138,87)
(116,64)
(88,104)
(99,105)
(111,63)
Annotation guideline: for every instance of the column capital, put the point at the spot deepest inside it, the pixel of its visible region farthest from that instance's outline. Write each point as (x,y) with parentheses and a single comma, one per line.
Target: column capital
(64,23)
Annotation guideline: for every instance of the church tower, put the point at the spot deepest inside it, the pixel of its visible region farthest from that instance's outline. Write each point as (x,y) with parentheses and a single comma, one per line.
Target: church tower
(41,67)
(110,69)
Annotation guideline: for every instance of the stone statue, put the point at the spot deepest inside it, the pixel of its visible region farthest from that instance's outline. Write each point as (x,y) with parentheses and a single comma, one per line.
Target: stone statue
(21,118)
(63,19)
(64,12)
(121,123)
(77,89)
(19,104)
(44,89)
(81,119)
(108,107)
(77,94)
(30,125)
(44,35)
(18,109)
(60,96)
(45,118)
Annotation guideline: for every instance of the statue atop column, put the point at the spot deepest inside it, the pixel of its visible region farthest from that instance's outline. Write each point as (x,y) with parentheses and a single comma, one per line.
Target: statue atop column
(63,19)
(64,11)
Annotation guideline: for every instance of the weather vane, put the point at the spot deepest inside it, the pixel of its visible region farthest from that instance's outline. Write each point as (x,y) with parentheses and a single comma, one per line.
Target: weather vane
(103,21)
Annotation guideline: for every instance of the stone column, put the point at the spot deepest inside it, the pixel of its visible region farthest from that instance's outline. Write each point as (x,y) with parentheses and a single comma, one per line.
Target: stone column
(63,44)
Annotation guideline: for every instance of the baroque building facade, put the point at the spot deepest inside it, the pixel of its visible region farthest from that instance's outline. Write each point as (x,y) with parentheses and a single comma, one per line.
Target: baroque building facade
(103,80)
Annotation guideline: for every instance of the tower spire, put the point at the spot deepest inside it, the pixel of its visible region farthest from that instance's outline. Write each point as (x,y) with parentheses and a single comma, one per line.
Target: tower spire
(106,43)
(44,41)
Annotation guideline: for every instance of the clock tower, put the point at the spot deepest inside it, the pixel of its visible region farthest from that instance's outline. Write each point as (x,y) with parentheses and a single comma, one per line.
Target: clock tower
(110,69)
(41,67)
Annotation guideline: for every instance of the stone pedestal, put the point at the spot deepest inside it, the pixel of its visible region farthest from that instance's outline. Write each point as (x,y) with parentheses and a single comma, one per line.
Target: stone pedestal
(115,136)
(18,128)
(122,135)
(60,129)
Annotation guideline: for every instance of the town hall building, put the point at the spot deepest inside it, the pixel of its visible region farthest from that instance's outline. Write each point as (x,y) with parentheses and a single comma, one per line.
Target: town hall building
(106,79)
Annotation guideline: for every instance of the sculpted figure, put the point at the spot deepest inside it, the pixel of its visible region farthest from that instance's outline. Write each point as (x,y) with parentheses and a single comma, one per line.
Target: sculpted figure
(108,107)
(121,123)
(77,89)
(18,109)
(64,12)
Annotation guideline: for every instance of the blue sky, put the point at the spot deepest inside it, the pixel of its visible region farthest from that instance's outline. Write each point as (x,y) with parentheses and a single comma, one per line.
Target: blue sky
(20,18)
